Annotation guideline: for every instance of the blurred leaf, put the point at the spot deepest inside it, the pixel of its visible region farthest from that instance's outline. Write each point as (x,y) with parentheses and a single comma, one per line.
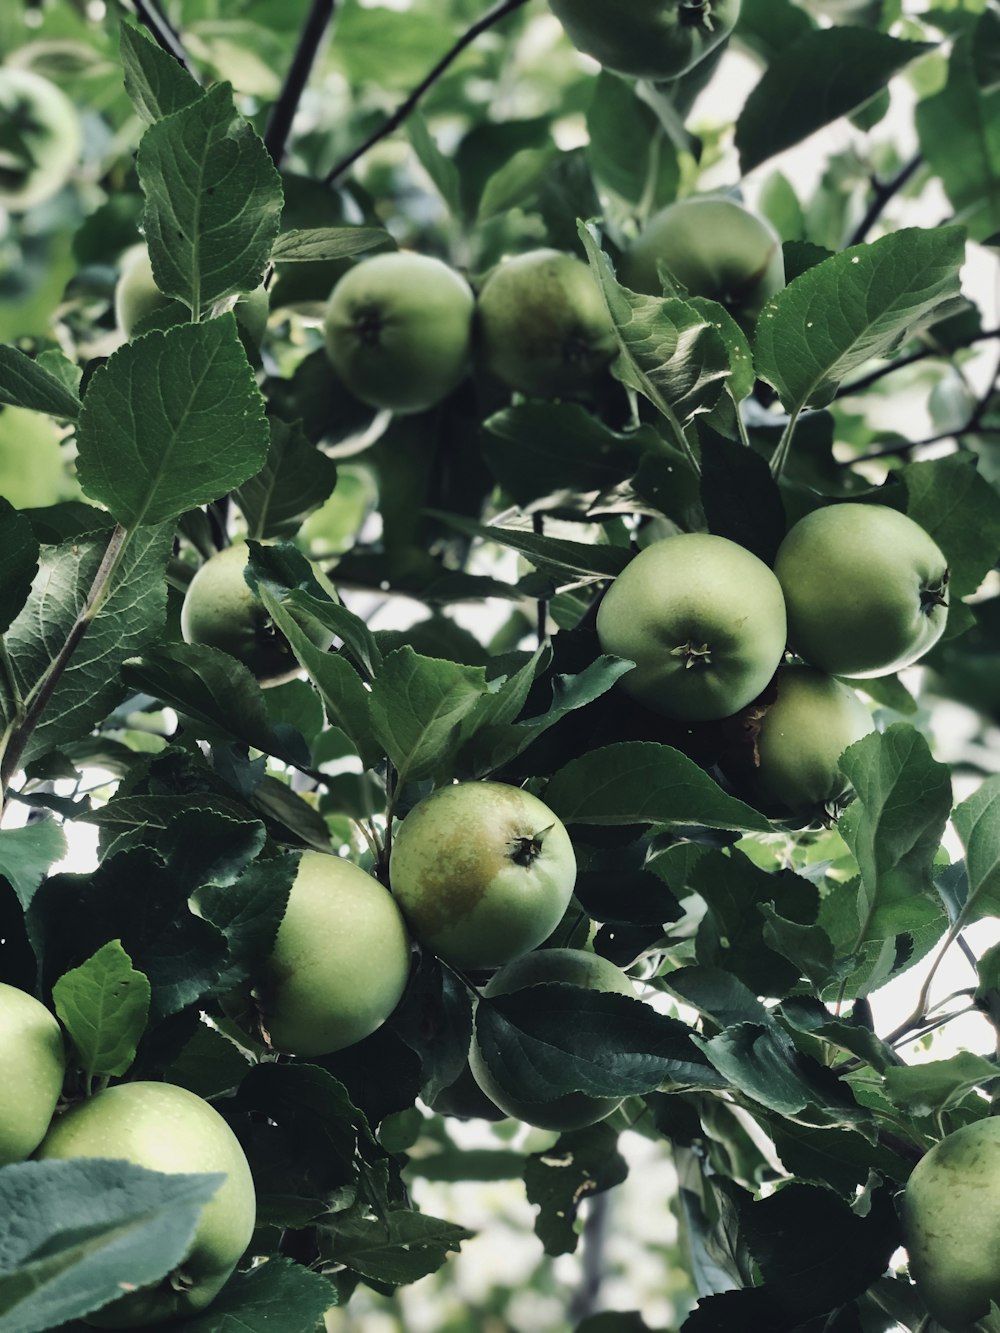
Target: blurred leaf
(938,1085)
(580,1164)
(957,129)
(27,853)
(961,511)
(976,823)
(18,562)
(104,1004)
(814,81)
(171,421)
(879,292)
(630,151)
(440,168)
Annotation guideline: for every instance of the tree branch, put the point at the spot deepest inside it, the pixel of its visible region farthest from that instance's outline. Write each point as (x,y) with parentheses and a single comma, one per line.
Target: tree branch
(921,354)
(279,122)
(883,191)
(488,20)
(162,31)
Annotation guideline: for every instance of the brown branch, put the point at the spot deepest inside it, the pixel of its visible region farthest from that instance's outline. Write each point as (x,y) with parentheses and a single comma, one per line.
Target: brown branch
(488,20)
(162,31)
(279,122)
(921,354)
(883,191)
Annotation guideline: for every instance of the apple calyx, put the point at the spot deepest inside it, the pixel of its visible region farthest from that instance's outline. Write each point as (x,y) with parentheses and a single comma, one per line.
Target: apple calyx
(935,595)
(525,850)
(180,1280)
(697,15)
(367,326)
(693,655)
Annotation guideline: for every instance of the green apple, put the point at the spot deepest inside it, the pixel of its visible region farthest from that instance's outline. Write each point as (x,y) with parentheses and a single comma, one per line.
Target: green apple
(32,1068)
(574,967)
(715,248)
(138,301)
(221,611)
(702,619)
(398,330)
(166,1128)
(790,769)
(866,589)
(951,1219)
(483,872)
(340,961)
(647,39)
(543,326)
(40,139)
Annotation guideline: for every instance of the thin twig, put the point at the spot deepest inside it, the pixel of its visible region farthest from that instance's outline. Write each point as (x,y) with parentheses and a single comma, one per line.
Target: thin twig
(162,31)
(279,122)
(883,191)
(488,20)
(541,606)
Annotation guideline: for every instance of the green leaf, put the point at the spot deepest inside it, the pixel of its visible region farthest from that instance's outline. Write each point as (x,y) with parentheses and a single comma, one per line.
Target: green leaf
(248,912)
(27,383)
(629,149)
(550,555)
(441,169)
(814,81)
(325,243)
(217,693)
(976,823)
(27,853)
(73,1232)
(130,616)
(961,511)
(171,421)
(938,1085)
(857,305)
(559,1179)
(741,372)
(416,705)
(281,1296)
(552,1039)
(959,136)
(157,84)
(894,828)
(213,201)
(732,932)
(104,1004)
(18,562)
(641,782)
(296,479)
(399,1247)
(669,351)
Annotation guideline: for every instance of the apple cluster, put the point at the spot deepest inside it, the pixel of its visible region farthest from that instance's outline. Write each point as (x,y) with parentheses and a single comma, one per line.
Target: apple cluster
(403,330)
(857,591)
(154,1125)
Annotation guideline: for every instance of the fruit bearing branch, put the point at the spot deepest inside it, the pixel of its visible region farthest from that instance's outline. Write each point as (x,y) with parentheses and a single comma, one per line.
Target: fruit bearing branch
(488,20)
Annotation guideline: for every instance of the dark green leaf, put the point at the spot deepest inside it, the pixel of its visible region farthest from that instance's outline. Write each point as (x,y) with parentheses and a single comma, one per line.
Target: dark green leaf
(400,1247)
(280,1296)
(326,243)
(815,80)
(939,1085)
(640,782)
(296,479)
(580,1164)
(18,562)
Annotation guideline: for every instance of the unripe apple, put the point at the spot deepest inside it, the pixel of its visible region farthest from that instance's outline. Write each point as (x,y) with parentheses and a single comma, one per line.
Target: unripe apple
(41,139)
(702,619)
(575,967)
(483,872)
(647,39)
(865,587)
(221,611)
(399,330)
(951,1220)
(166,1128)
(543,326)
(340,961)
(713,246)
(790,766)
(32,1067)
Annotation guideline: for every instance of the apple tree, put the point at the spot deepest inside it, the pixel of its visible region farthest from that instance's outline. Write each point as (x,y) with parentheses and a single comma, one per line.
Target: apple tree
(499,635)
